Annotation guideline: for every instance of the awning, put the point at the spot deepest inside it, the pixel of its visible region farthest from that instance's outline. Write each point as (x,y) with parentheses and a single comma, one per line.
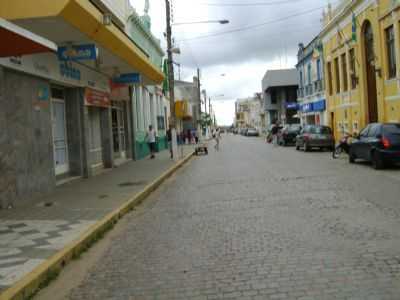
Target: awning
(64,21)
(16,41)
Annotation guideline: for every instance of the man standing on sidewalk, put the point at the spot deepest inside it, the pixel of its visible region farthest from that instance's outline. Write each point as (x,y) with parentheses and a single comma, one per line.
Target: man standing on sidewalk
(151,140)
(169,139)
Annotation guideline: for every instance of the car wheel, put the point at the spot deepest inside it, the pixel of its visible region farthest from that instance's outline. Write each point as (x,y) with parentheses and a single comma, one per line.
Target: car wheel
(352,157)
(377,161)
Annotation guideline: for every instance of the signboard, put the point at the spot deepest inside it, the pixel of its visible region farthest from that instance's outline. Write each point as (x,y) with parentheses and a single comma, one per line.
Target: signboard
(97,98)
(47,65)
(129,78)
(307,107)
(77,52)
(292,105)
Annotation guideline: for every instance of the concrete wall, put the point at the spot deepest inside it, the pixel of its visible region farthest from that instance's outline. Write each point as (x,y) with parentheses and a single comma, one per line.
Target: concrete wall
(26,151)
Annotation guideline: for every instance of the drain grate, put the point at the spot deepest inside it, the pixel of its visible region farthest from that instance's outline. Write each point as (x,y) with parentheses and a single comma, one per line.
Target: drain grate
(132,183)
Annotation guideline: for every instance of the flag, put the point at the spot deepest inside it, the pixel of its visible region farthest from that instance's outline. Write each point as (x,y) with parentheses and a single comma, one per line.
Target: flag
(165,71)
(354,28)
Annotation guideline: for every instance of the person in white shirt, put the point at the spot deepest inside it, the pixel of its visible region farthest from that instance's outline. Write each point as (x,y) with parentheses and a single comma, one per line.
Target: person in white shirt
(151,140)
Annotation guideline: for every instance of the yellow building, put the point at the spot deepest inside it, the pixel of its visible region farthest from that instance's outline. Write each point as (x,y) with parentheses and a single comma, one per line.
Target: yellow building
(361,40)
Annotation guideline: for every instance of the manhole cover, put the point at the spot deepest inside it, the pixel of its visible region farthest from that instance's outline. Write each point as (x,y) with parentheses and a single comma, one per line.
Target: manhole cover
(132,183)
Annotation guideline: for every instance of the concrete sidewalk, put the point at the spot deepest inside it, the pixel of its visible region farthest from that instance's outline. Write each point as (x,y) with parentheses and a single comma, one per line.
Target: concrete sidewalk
(32,233)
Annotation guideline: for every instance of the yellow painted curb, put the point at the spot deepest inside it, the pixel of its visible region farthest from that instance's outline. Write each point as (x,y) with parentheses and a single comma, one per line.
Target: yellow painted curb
(42,274)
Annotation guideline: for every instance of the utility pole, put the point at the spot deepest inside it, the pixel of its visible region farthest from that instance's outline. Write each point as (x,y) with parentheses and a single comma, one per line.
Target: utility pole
(171,82)
(199,127)
(209,104)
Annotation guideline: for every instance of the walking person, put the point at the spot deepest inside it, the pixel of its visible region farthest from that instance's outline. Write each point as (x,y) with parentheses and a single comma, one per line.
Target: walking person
(274,131)
(169,139)
(151,140)
(217,137)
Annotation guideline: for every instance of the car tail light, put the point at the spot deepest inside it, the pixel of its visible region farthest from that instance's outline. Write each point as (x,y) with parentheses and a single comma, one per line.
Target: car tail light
(385,142)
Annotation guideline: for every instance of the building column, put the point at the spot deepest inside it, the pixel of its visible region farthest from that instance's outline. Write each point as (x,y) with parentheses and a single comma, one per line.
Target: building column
(8,184)
(133,94)
(107,142)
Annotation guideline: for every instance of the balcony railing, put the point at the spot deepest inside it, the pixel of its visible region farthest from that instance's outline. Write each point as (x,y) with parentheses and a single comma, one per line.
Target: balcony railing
(319,85)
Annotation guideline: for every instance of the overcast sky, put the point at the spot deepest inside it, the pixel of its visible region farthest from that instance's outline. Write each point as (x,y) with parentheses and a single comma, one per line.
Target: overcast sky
(243,55)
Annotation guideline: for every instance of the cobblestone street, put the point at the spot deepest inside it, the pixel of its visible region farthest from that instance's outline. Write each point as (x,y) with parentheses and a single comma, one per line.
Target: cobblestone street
(257,222)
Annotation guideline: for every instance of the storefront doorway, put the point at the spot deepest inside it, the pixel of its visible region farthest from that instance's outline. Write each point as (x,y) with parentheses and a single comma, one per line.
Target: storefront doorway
(59,128)
(118,129)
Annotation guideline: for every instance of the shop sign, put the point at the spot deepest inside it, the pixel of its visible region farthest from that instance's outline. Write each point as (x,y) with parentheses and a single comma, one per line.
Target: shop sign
(307,107)
(97,98)
(128,78)
(69,71)
(77,52)
(319,105)
(292,105)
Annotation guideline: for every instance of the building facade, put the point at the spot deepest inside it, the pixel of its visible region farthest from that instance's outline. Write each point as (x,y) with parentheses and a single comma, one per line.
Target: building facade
(67,113)
(361,42)
(280,96)
(249,112)
(311,92)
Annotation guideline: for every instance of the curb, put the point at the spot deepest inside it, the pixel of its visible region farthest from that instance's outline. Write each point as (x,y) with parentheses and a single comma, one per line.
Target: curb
(26,287)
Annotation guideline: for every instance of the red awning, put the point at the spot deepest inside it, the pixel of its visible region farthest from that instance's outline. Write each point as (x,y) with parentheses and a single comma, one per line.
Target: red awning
(16,41)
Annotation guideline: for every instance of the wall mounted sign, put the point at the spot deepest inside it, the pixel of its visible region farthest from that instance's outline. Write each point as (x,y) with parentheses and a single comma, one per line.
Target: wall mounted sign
(97,98)
(129,78)
(77,52)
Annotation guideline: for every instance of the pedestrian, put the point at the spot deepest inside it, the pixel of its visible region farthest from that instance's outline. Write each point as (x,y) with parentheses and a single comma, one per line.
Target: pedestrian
(217,137)
(151,140)
(274,132)
(169,139)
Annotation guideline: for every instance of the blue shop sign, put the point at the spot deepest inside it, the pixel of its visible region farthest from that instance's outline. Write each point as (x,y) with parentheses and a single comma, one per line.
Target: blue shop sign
(292,105)
(307,107)
(77,52)
(128,78)
(319,105)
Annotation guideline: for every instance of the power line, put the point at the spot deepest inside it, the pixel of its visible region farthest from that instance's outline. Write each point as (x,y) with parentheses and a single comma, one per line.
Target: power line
(252,4)
(255,25)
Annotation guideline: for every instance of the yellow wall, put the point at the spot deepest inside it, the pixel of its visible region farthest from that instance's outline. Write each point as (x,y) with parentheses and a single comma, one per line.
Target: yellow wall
(351,108)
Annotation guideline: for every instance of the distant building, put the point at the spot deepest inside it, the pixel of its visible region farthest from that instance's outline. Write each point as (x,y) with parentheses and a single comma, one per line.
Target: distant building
(249,112)
(280,96)
(311,92)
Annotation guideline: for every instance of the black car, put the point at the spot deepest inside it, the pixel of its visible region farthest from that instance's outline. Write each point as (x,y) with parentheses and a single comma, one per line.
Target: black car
(378,143)
(315,136)
(287,135)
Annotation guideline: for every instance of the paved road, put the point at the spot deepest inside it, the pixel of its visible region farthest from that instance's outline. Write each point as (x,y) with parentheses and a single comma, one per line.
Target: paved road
(257,222)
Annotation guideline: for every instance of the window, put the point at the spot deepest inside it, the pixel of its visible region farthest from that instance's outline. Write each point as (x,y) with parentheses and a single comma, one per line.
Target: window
(344,70)
(374,130)
(318,69)
(301,79)
(364,132)
(329,71)
(273,97)
(391,54)
(337,74)
(309,73)
(352,57)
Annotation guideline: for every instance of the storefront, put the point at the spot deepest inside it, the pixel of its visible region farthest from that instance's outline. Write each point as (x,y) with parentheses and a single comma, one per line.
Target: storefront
(313,113)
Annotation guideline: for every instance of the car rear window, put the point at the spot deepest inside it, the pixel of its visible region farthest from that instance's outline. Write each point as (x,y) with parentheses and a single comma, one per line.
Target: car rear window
(391,129)
(294,127)
(321,130)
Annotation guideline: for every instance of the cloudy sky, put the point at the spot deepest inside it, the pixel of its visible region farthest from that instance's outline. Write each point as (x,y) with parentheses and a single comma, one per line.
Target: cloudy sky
(261,35)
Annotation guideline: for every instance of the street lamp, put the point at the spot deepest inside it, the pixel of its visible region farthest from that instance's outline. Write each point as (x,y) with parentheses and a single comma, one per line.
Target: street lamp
(222,22)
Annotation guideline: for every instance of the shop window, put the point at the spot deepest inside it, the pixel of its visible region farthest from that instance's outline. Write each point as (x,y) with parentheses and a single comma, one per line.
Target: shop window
(329,71)
(391,52)
(353,75)
(344,70)
(337,74)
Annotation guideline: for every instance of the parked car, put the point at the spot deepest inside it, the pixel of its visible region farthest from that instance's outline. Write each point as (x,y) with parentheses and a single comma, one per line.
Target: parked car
(287,135)
(243,131)
(378,143)
(252,132)
(315,136)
